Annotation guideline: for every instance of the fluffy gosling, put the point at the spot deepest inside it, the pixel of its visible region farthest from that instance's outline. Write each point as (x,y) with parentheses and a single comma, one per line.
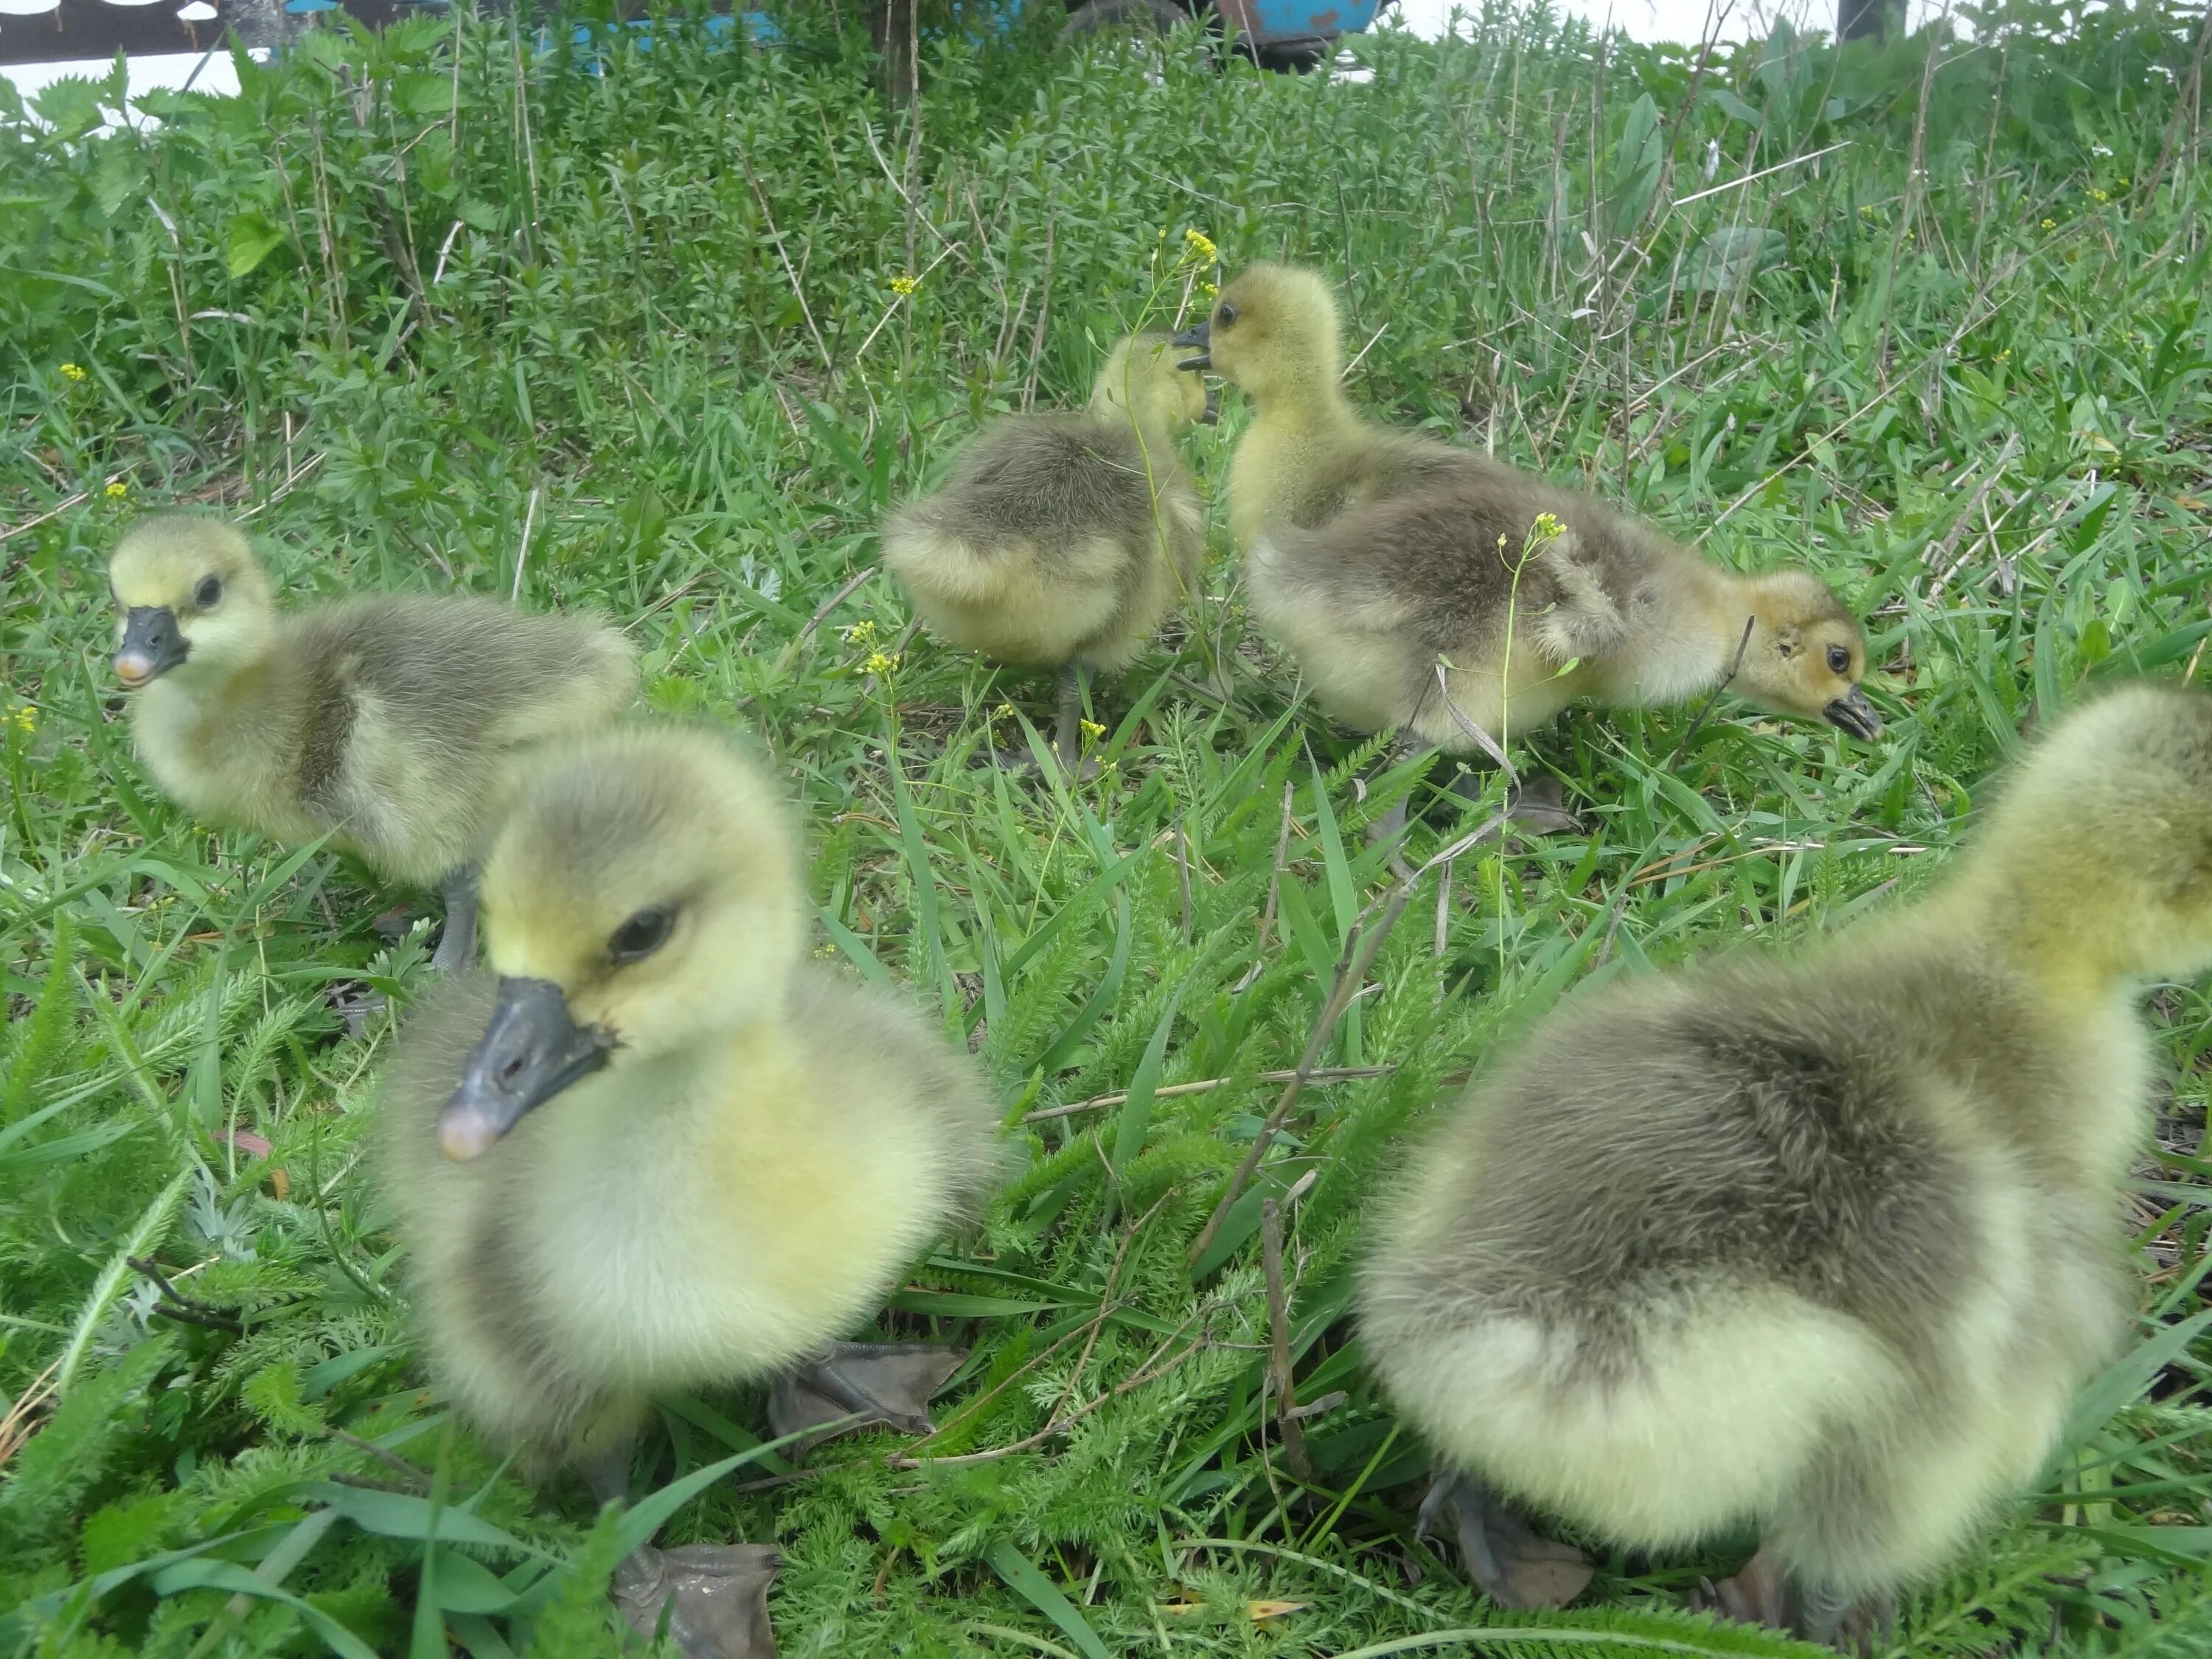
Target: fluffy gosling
(392,725)
(1482,607)
(655,1148)
(1824,1242)
(1061,539)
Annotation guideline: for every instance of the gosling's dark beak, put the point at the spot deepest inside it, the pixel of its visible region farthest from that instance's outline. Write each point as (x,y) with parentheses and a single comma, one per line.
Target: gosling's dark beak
(152,645)
(1201,335)
(529,1053)
(1855,715)
(1211,415)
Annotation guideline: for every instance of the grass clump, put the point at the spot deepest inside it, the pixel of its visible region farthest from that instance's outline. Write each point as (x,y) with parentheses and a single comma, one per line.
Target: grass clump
(664,331)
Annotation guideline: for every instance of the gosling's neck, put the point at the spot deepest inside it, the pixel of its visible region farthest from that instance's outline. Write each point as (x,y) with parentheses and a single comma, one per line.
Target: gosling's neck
(2076,956)
(1312,405)
(1154,436)
(724,1085)
(1687,643)
(245,704)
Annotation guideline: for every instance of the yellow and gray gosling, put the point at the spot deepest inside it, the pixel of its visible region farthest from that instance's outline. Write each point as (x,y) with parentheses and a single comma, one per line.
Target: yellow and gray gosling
(1061,539)
(1484,606)
(656,1148)
(393,724)
(1308,454)
(1823,1241)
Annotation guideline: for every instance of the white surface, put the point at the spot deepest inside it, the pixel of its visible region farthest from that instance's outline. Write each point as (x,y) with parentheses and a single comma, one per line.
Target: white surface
(168,69)
(1686,22)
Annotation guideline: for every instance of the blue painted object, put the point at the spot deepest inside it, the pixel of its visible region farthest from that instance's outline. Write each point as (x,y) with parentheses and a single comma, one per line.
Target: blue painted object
(1274,30)
(1276,26)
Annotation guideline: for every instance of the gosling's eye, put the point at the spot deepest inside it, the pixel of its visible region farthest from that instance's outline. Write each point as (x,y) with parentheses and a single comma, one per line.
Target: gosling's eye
(1840,660)
(1224,314)
(641,935)
(209,594)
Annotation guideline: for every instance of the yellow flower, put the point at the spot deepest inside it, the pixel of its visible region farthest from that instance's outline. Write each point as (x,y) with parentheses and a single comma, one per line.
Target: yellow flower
(905,285)
(1093,731)
(2099,196)
(2005,356)
(25,719)
(825,949)
(72,371)
(2051,224)
(1547,528)
(1198,248)
(860,633)
(1212,291)
(882,662)
(117,489)
(1005,711)
(1867,212)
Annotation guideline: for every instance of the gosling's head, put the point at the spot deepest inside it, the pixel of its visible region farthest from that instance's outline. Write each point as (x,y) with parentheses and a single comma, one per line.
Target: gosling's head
(1806,656)
(1143,379)
(194,599)
(641,898)
(2102,839)
(1274,332)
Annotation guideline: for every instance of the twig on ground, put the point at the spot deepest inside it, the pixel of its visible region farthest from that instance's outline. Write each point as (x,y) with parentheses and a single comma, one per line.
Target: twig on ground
(1203,1086)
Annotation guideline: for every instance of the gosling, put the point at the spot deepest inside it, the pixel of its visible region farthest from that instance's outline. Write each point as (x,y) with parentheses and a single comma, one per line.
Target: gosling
(1062,539)
(1825,1242)
(1480,609)
(655,1148)
(392,724)
(1307,455)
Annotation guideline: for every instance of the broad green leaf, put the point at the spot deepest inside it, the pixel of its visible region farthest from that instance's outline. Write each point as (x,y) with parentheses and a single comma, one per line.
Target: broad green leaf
(251,240)
(1022,1577)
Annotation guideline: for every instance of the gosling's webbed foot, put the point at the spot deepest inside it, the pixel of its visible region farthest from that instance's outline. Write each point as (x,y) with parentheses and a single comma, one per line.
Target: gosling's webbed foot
(1510,1561)
(1759,1594)
(1764,1593)
(456,944)
(884,1382)
(715,1597)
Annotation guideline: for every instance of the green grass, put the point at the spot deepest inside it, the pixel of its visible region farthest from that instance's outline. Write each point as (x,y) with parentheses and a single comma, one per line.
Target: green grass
(630,340)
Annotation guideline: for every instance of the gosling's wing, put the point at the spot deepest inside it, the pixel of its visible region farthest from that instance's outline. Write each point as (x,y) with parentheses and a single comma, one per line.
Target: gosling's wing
(1752,1122)
(456,672)
(1433,564)
(1047,480)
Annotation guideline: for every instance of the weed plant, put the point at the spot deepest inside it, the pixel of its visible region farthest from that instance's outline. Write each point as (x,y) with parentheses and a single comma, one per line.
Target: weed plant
(663,327)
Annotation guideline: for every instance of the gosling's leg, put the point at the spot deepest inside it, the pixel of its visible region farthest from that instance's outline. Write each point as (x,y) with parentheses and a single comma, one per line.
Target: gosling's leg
(1392,824)
(1067,740)
(1509,1560)
(883,1382)
(456,944)
(713,1596)
(1538,805)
